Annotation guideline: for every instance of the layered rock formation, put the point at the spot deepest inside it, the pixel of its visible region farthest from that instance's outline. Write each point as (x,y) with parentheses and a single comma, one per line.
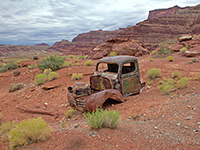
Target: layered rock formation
(120,46)
(163,24)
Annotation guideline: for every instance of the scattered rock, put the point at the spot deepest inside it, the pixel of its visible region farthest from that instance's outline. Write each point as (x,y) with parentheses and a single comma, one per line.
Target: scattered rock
(188,118)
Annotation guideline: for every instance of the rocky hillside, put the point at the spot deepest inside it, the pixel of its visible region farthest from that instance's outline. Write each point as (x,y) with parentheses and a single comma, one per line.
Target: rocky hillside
(163,24)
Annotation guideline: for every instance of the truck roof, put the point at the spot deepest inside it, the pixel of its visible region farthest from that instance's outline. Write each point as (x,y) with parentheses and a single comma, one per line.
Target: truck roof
(117,59)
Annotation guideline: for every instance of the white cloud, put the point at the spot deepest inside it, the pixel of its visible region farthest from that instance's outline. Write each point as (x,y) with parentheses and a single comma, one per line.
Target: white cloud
(36,21)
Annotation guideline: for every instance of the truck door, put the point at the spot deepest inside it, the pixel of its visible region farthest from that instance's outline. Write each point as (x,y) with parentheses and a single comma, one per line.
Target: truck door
(130,79)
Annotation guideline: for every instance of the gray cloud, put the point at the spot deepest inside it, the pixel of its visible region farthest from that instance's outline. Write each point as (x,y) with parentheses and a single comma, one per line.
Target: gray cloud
(35,21)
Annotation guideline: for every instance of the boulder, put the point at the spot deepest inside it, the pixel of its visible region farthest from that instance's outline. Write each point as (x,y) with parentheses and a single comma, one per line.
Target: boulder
(185,38)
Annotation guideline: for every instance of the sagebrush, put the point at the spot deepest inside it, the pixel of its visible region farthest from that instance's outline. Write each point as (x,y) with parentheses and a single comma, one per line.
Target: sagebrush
(182,83)
(153,73)
(89,63)
(40,79)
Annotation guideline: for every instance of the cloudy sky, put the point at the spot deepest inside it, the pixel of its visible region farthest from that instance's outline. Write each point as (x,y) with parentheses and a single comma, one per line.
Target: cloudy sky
(48,21)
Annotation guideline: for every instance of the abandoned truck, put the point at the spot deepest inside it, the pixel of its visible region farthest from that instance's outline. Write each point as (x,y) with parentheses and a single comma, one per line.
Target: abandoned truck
(114,78)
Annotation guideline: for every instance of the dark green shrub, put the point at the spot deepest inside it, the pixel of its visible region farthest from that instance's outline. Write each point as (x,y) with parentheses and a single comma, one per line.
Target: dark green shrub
(153,73)
(15,87)
(167,86)
(53,62)
(29,131)
(16,73)
(89,63)
(182,83)
(40,79)
(53,76)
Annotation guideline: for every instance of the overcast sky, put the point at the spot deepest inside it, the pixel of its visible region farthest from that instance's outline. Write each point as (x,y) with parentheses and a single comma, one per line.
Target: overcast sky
(49,21)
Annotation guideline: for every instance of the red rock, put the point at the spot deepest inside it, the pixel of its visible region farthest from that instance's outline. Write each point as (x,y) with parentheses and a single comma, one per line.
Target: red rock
(176,48)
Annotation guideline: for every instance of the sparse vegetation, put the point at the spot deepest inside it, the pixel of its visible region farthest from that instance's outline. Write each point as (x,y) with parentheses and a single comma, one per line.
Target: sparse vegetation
(53,62)
(153,73)
(29,131)
(151,59)
(76,60)
(69,113)
(107,118)
(113,53)
(71,56)
(111,119)
(77,76)
(183,50)
(182,83)
(170,58)
(66,64)
(82,57)
(89,63)
(162,51)
(1,116)
(194,60)
(15,87)
(40,79)
(197,76)
(167,86)
(53,75)
(176,74)
(32,66)
(47,71)
(10,66)
(35,57)
(5,130)
(95,119)
(16,73)
(78,64)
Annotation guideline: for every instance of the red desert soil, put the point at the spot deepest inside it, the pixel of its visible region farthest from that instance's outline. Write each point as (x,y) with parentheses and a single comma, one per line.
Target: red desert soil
(165,121)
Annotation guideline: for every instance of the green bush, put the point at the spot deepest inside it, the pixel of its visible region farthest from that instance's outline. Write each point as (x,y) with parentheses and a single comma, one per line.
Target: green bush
(176,74)
(194,60)
(183,50)
(10,66)
(153,73)
(52,76)
(29,131)
(69,113)
(95,119)
(5,130)
(182,83)
(82,57)
(113,53)
(40,79)
(170,58)
(66,64)
(89,63)
(111,119)
(162,51)
(15,87)
(77,76)
(53,62)
(47,71)
(71,56)
(32,66)
(78,64)
(76,60)
(167,86)
(16,73)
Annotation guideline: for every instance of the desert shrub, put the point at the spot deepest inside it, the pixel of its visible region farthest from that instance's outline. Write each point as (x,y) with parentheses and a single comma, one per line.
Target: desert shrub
(47,71)
(78,64)
(170,58)
(66,64)
(29,131)
(77,76)
(53,62)
(197,76)
(95,119)
(182,83)
(40,79)
(15,87)
(153,73)
(16,73)
(10,66)
(71,56)
(35,57)
(82,57)
(162,51)
(151,59)
(183,50)
(176,74)
(69,113)
(167,86)
(53,75)
(31,66)
(76,60)
(113,53)
(5,130)
(89,63)
(133,116)
(1,116)
(194,60)
(111,119)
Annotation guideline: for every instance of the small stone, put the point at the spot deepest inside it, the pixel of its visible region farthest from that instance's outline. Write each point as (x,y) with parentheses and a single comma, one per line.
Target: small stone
(178,124)
(188,118)
(186,127)
(172,97)
(194,109)
(46,104)
(133,139)
(93,135)
(163,116)
(189,106)
(156,128)
(198,123)
(113,105)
